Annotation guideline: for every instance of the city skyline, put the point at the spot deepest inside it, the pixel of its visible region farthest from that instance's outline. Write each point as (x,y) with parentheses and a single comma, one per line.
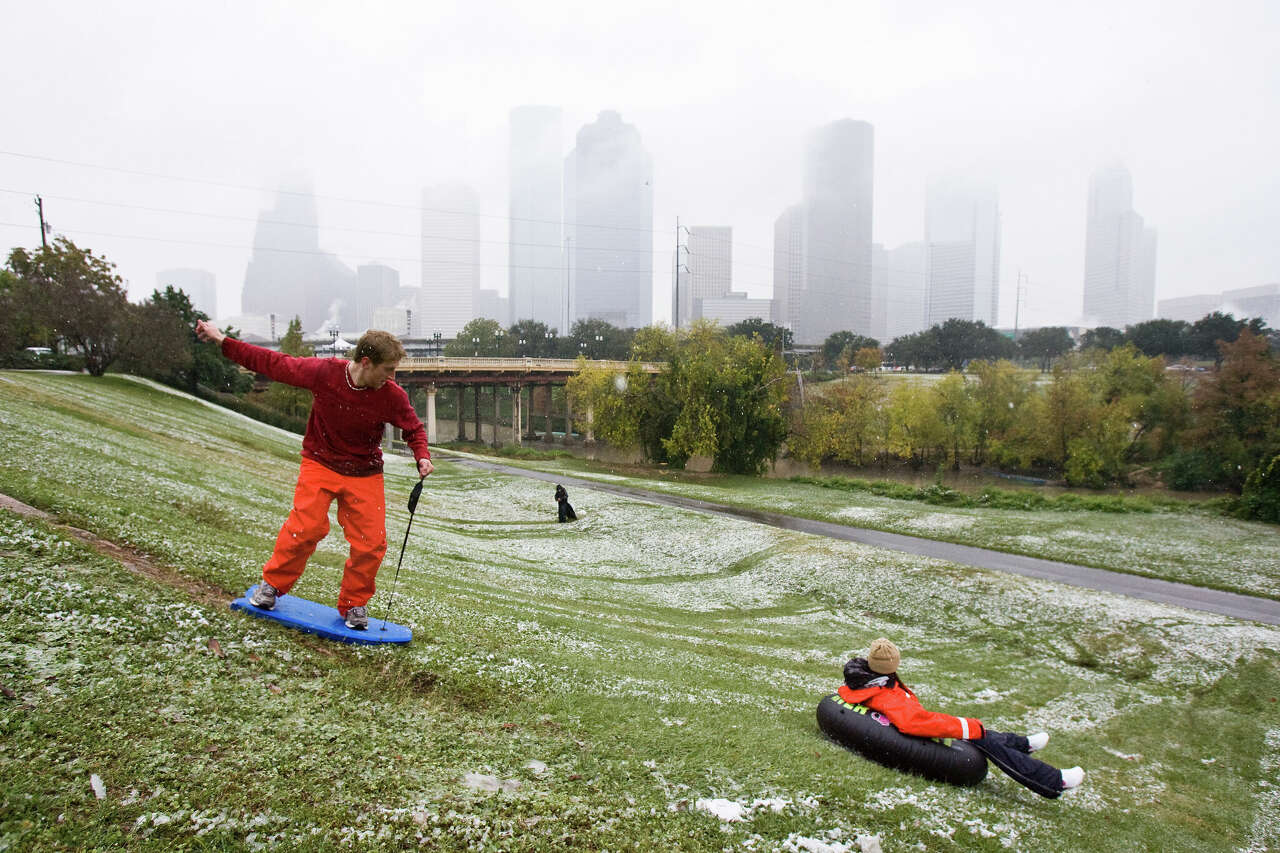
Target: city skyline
(1006,97)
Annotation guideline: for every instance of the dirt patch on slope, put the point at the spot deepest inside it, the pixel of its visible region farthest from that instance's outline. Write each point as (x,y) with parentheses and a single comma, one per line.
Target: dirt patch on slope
(132,559)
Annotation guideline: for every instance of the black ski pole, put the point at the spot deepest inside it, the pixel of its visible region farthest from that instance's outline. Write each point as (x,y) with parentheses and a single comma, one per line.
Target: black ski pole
(413,506)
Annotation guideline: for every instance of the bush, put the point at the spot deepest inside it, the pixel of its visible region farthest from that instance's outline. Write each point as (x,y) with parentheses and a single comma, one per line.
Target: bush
(1189,470)
(24,360)
(1261,498)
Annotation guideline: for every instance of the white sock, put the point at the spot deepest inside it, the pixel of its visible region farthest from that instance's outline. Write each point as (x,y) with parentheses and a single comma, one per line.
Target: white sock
(1038,741)
(1071,778)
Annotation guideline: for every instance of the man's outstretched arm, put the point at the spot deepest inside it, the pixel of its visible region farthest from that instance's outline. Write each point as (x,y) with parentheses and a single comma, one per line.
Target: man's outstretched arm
(291,370)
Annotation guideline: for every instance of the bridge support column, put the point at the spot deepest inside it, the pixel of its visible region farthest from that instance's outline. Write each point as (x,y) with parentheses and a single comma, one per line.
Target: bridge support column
(591,433)
(475,412)
(497,415)
(547,434)
(515,415)
(431,413)
(462,425)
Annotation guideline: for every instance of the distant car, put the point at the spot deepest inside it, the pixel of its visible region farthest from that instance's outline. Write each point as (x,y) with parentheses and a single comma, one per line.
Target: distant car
(40,352)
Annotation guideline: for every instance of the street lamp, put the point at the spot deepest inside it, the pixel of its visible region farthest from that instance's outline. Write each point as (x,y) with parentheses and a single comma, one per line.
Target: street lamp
(599,341)
(476,344)
(435,336)
(522,347)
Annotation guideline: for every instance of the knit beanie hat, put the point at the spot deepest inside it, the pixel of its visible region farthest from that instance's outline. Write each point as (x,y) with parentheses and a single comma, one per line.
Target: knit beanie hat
(883,657)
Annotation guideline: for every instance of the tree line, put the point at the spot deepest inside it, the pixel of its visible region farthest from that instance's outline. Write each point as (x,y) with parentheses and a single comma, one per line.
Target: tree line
(1096,415)
(1096,418)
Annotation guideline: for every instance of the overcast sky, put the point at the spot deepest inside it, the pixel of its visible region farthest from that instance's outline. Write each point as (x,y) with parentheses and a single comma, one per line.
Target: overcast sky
(373,100)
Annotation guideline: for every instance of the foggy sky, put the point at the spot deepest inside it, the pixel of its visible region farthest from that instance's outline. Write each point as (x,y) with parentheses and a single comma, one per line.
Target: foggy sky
(373,101)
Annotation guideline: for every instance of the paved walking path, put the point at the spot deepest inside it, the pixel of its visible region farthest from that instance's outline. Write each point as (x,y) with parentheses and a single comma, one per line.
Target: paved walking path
(1152,589)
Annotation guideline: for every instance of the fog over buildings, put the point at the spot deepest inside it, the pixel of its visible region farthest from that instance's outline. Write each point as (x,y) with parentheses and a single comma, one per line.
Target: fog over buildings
(148,145)
(962,259)
(537,278)
(609,214)
(1120,254)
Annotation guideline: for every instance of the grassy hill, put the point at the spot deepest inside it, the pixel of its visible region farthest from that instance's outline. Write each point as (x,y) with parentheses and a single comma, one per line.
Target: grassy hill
(608,677)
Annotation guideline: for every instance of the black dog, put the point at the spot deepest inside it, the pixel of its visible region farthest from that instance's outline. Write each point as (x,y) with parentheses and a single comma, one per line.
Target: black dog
(566,508)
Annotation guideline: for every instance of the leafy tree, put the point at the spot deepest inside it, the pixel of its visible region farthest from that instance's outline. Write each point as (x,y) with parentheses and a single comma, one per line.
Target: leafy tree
(539,340)
(654,343)
(1236,411)
(1160,337)
(1045,344)
(731,399)
(961,341)
(774,337)
(868,359)
(78,297)
(914,430)
(998,399)
(846,423)
(597,339)
(157,345)
(1260,499)
(292,401)
(844,344)
(192,363)
(480,337)
(919,350)
(1205,334)
(1103,337)
(956,413)
(599,397)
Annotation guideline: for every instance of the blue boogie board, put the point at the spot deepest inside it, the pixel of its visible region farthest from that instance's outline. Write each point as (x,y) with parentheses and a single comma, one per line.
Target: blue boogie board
(323,621)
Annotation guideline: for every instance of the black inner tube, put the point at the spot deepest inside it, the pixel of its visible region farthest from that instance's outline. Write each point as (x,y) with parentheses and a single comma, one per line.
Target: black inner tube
(870,734)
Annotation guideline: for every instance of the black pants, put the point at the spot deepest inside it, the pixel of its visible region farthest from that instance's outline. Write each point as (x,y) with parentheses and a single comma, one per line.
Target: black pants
(1012,754)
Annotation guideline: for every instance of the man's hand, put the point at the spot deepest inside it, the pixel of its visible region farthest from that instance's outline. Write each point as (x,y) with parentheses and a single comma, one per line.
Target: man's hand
(425,467)
(206,331)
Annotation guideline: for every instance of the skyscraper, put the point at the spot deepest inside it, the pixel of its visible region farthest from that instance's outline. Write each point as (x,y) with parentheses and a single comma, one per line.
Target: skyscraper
(450,259)
(905,296)
(1119,255)
(836,231)
(288,275)
(962,233)
(377,286)
(536,280)
(609,220)
(708,272)
(788,267)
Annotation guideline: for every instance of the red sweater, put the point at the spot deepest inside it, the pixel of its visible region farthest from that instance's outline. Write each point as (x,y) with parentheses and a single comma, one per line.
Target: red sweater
(344,431)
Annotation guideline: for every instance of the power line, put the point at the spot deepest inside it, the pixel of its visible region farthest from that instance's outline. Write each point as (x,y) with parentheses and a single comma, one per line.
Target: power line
(371,202)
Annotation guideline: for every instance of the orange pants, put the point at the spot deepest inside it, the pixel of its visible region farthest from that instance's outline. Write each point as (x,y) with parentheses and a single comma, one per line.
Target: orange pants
(362,512)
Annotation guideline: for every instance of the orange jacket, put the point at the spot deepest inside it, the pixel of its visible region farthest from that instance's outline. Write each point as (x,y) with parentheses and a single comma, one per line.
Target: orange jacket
(895,700)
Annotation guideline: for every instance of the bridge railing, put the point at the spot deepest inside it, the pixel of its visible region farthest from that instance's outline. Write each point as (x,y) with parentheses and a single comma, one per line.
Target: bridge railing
(528,365)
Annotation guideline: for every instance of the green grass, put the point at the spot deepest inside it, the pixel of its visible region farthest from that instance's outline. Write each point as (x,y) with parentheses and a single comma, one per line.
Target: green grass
(647,656)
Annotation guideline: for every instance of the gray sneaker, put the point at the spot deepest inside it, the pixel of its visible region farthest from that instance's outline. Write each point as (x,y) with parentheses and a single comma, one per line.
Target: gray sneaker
(358,618)
(264,596)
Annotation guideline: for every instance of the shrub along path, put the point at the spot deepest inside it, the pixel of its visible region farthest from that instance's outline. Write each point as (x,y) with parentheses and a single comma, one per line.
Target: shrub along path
(1152,589)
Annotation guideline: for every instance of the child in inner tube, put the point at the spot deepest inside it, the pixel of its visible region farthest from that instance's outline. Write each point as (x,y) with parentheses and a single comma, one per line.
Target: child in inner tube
(873,681)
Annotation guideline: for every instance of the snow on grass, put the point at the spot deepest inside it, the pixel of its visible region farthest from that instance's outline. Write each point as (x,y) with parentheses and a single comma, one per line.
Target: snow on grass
(621,669)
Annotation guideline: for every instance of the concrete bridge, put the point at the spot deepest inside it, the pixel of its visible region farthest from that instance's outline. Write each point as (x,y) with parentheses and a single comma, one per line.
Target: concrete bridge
(527,382)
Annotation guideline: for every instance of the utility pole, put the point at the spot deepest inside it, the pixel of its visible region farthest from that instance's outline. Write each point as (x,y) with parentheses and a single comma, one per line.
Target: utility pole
(1017,304)
(44,242)
(675,309)
(675,319)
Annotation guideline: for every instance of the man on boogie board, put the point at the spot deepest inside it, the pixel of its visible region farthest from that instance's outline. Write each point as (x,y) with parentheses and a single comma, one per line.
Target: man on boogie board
(352,401)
